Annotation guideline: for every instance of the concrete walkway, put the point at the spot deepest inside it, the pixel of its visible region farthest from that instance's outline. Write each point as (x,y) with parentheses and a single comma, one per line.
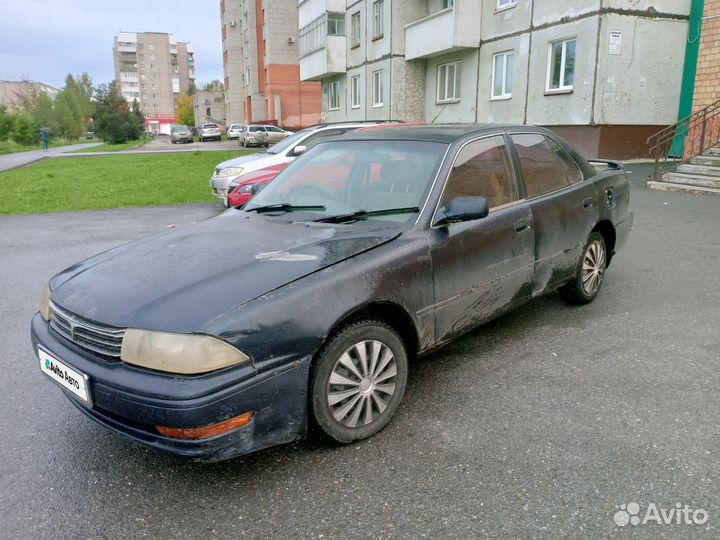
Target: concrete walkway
(11,161)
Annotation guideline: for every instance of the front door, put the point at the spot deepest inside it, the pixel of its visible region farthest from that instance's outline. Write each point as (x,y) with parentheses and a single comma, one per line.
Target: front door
(484,266)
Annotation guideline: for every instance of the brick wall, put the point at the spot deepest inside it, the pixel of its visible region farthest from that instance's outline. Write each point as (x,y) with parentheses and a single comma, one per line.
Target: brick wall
(707,80)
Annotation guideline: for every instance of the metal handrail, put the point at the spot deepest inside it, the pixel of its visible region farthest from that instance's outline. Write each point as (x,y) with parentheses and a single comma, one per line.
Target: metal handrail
(688,138)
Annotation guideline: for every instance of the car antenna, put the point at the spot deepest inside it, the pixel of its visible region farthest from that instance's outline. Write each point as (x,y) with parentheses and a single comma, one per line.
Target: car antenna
(438,114)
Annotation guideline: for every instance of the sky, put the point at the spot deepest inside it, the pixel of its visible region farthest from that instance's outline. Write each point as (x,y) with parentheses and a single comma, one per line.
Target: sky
(44,40)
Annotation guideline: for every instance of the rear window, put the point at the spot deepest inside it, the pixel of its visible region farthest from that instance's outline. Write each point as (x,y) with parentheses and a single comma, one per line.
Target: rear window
(546,167)
(209,125)
(257,128)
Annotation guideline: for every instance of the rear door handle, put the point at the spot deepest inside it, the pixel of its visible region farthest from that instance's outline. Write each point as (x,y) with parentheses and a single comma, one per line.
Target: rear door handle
(588,203)
(522,226)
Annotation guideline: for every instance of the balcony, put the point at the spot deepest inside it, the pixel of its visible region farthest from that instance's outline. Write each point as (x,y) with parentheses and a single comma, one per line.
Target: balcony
(325,61)
(323,47)
(444,31)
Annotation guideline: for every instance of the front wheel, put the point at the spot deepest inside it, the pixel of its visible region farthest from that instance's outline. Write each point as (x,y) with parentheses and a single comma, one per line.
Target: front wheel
(357,381)
(590,273)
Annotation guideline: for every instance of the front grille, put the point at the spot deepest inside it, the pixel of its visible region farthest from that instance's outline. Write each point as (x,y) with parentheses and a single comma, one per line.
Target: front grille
(103,340)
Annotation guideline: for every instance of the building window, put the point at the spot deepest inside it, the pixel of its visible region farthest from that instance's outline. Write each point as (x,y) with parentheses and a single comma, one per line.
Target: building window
(447,4)
(561,66)
(502,77)
(377,78)
(378,18)
(334,95)
(505,4)
(448,82)
(355,92)
(336,24)
(355,29)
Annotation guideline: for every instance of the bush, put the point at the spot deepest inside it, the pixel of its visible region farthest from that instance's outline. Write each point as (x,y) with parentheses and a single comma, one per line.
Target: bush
(24,130)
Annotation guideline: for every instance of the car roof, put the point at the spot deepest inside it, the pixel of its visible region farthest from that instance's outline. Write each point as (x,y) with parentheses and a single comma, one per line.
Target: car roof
(442,133)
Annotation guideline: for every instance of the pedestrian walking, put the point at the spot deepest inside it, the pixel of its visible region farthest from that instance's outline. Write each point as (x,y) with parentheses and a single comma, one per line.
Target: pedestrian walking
(44,139)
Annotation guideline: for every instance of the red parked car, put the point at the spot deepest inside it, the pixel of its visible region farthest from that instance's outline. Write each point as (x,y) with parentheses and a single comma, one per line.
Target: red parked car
(242,189)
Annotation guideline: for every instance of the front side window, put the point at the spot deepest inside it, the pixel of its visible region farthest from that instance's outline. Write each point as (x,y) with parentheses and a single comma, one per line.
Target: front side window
(355,92)
(378,88)
(448,82)
(378,18)
(355,29)
(482,169)
(349,176)
(334,95)
(561,65)
(502,75)
(546,167)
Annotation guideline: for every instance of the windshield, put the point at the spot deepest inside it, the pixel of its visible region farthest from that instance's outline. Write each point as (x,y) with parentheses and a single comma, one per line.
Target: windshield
(290,141)
(348,177)
(179,128)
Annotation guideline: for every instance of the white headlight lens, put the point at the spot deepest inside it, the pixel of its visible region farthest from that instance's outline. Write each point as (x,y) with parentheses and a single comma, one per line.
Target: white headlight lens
(178,353)
(45,303)
(231,171)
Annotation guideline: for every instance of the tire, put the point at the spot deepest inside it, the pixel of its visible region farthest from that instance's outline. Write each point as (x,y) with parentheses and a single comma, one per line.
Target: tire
(339,410)
(590,273)
(266,145)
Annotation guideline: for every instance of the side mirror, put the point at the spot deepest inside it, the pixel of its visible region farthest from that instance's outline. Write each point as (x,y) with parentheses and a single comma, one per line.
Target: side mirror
(298,150)
(464,209)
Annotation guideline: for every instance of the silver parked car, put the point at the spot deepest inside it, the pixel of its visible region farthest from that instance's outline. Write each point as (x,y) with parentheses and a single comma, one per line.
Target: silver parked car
(234,131)
(253,136)
(209,132)
(180,134)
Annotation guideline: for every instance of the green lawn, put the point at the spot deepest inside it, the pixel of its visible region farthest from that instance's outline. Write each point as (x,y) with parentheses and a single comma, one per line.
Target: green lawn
(130,145)
(93,183)
(9,147)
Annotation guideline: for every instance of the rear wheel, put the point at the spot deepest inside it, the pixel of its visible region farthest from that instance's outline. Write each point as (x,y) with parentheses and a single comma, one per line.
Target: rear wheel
(590,273)
(357,381)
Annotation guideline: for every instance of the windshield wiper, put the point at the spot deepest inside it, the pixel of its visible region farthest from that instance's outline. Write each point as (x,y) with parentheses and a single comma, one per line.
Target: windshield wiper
(363,214)
(285,207)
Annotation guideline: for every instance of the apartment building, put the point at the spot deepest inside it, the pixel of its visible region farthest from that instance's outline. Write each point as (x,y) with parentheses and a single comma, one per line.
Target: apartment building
(12,91)
(605,74)
(154,69)
(260,61)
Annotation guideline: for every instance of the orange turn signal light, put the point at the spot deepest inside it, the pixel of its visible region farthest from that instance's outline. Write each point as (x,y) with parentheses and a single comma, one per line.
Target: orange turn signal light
(207,431)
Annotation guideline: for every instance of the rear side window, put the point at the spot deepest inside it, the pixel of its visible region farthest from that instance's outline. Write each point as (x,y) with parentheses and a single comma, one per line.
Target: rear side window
(482,169)
(256,128)
(546,167)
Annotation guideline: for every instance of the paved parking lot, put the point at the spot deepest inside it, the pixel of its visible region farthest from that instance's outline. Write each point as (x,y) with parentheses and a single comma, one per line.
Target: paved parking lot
(538,425)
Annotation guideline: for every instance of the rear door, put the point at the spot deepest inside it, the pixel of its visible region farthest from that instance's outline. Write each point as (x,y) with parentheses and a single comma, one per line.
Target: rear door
(563,205)
(484,266)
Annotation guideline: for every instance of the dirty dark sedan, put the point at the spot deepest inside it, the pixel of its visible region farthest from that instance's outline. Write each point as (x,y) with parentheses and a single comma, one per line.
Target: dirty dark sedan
(301,311)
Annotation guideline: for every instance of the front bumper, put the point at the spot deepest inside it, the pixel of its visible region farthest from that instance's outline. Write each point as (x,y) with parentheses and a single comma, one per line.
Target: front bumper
(132,401)
(220,185)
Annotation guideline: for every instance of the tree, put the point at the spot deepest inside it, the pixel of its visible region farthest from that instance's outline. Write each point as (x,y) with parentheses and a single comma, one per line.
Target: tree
(186,110)
(192,89)
(7,123)
(24,129)
(214,86)
(114,121)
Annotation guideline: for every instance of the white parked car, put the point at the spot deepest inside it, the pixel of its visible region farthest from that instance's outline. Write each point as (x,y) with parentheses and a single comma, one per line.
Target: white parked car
(283,152)
(209,132)
(234,131)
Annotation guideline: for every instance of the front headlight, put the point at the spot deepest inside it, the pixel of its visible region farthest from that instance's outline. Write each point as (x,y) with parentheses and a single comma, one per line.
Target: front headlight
(185,354)
(45,303)
(230,171)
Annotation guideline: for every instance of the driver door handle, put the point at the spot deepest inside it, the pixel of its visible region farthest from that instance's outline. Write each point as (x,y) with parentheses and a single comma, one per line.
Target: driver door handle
(522,226)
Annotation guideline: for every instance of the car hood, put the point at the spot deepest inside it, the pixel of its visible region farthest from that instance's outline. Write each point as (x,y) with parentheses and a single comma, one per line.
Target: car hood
(178,280)
(239,161)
